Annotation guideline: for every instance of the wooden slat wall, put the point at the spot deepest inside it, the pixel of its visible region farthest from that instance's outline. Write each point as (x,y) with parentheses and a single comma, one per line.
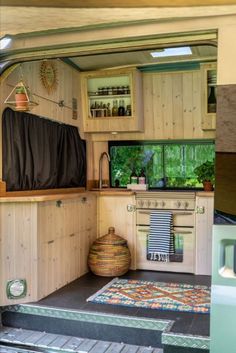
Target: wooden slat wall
(65,234)
(18,248)
(112,212)
(67,88)
(172,108)
(172,111)
(45,244)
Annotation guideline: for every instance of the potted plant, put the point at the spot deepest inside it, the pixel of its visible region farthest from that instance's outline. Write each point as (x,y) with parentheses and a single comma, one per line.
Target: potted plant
(21,98)
(206,174)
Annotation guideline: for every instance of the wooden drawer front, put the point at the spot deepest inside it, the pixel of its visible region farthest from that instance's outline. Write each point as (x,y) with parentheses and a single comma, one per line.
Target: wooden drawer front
(188,264)
(180,218)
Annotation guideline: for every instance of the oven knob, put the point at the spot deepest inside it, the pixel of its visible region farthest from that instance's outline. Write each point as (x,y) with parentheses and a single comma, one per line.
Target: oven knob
(163,204)
(178,204)
(155,204)
(148,203)
(140,203)
(186,204)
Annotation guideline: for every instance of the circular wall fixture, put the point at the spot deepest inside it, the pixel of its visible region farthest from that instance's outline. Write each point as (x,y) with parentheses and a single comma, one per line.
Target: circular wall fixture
(48,75)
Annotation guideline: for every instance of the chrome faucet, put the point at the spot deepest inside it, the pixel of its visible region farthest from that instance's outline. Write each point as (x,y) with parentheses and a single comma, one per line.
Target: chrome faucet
(100,167)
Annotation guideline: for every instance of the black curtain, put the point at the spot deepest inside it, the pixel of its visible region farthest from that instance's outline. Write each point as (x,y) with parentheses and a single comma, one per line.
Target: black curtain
(41,154)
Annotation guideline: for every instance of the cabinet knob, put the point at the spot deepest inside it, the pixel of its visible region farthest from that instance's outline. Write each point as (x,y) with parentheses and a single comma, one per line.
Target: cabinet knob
(200,209)
(131,208)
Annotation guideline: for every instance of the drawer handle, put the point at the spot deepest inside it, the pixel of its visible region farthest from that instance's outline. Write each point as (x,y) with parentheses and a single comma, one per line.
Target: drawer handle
(175,232)
(174,214)
(50,241)
(72,235)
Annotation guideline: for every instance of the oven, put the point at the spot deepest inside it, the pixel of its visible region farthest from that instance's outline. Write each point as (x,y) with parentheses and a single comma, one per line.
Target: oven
(182,205)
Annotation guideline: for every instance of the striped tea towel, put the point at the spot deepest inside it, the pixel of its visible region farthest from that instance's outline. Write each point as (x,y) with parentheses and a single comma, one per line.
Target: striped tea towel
(161,237)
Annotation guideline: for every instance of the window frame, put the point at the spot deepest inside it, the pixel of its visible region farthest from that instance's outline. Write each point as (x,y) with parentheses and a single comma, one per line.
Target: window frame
(160,143)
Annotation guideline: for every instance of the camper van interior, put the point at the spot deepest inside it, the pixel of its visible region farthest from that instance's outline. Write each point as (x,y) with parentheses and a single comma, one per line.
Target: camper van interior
(110,138)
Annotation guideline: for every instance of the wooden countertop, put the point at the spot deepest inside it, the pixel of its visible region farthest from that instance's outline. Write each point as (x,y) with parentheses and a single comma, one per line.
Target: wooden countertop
(73,193)
(59,194)
(42,195)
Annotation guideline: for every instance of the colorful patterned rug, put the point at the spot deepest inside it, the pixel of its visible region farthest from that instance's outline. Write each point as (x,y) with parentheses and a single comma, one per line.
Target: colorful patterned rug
(155,295)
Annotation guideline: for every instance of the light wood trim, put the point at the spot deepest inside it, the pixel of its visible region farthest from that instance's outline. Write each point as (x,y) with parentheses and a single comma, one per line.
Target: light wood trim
(205,193)
(41,195)
(2,187)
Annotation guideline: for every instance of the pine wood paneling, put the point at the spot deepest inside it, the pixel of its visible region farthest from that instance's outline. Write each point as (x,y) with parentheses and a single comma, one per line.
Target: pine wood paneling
(177,98)
(172,108)
(45,244)
(65,234)
(18,248)
(112,212)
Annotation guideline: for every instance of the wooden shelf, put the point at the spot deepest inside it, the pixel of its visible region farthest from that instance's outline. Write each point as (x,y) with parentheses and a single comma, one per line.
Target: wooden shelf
(90,83)
(109,96)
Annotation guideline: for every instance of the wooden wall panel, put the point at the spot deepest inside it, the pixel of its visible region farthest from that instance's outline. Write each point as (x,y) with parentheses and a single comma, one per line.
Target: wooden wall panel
(172,111)
(172,108)
(18,248)
(112,212)
(65,233)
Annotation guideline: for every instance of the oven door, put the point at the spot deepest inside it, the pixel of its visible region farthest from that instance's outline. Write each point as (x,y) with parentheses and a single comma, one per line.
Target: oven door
(184,259)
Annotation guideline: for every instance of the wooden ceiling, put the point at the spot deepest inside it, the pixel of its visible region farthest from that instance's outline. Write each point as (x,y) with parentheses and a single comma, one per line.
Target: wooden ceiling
(115,3)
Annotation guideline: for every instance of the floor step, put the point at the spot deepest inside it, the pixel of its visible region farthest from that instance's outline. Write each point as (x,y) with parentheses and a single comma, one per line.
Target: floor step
(17,340)
(94,325)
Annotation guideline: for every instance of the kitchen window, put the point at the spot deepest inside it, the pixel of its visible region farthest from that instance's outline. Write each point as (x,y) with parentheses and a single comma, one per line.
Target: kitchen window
(167,165)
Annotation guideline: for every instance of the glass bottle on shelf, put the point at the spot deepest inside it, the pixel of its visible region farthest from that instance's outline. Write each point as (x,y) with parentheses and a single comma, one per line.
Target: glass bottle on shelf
(133,177)
(121,109)
(142,177)
(128,110)
(211,103)
(108,109)
(115,108)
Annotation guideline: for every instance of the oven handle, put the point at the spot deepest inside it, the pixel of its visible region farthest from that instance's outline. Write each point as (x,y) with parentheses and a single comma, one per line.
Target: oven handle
(174,213)
(175,232)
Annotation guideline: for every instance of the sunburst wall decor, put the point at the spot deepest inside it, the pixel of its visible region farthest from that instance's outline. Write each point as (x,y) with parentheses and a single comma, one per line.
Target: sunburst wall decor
(48,75)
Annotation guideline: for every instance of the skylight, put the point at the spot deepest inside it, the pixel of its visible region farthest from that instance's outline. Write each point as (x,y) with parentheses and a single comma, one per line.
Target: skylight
(172,52)
(4,42)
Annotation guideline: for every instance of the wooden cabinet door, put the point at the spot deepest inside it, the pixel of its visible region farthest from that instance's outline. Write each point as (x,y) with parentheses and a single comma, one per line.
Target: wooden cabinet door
(208,118)
(18,252)
(113,211)
(62,238)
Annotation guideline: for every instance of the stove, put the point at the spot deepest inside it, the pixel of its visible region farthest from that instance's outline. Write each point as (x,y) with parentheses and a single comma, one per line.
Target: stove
(182,206)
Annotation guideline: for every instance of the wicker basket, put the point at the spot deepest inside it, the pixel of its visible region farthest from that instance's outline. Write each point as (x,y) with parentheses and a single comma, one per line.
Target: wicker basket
(109,255)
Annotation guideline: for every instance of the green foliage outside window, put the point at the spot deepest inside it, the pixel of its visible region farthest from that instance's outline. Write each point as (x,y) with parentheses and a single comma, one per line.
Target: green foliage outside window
(169,165)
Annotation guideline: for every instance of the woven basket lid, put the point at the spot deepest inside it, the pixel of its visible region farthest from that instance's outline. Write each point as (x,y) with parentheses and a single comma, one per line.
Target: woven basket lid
(111,238)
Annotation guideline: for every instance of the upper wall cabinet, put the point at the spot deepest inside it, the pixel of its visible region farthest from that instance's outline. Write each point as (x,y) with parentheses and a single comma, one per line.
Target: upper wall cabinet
(112,100)
(208,81)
